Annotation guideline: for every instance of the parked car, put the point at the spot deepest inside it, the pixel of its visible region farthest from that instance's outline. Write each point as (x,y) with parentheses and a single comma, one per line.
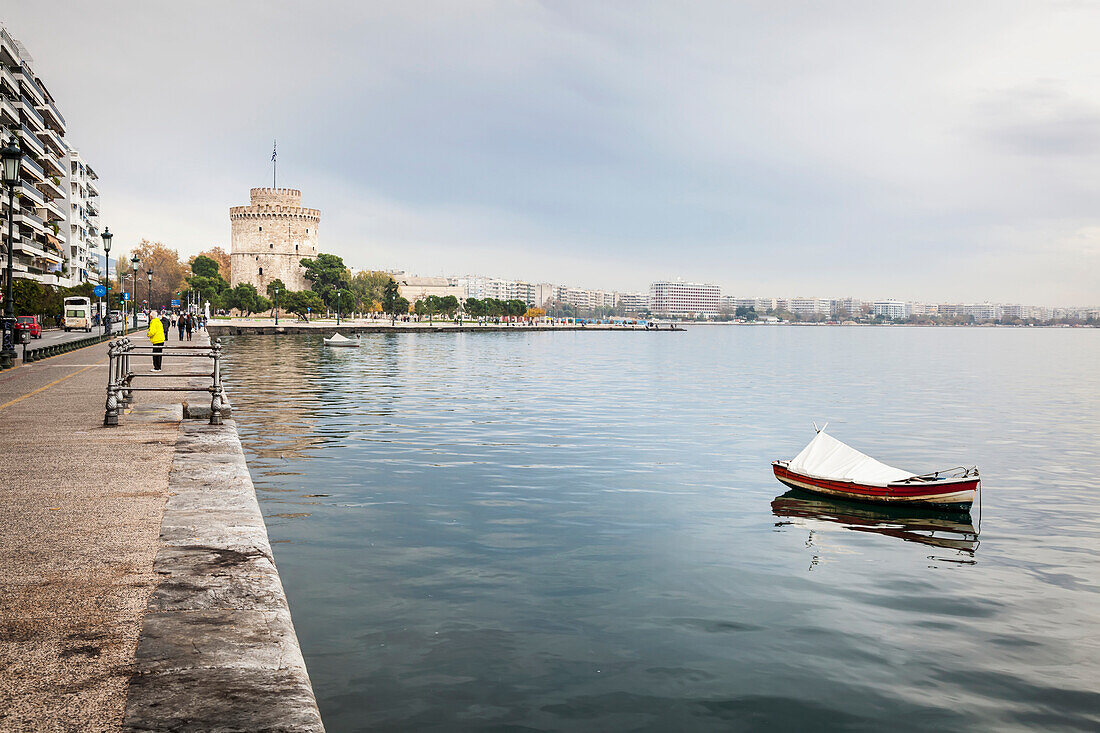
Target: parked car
(116,316)
(143,319)
(29,323)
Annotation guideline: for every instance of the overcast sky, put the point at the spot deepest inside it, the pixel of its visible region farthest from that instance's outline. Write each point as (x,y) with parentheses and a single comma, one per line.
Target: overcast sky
(922,150)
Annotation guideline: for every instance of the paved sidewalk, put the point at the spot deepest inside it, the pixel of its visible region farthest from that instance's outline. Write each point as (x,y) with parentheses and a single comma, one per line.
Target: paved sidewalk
(80,517)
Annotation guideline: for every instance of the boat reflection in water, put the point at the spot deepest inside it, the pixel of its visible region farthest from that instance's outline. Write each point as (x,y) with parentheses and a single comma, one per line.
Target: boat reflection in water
(936,528)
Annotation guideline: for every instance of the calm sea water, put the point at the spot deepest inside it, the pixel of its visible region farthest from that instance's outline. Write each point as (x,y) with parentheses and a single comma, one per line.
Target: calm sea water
(581,531)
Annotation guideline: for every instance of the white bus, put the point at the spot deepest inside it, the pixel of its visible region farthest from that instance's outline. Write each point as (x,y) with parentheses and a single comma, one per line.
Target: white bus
(78,314)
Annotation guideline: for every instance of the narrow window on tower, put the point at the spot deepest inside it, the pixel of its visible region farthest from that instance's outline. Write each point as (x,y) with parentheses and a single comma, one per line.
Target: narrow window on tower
(271,246)
(261,271)
(261,229)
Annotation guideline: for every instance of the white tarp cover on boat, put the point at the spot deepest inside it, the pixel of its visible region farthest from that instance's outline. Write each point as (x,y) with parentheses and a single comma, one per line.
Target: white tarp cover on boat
(338,337)
(827,457)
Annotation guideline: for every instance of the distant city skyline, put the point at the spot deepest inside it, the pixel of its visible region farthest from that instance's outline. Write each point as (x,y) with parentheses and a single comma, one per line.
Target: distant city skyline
(924,152)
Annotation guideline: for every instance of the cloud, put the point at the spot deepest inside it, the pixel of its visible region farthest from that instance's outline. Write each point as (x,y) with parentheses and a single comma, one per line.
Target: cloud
(872,149)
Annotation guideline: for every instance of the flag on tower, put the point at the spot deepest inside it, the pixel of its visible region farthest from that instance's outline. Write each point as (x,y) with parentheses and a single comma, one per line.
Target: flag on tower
(274,148)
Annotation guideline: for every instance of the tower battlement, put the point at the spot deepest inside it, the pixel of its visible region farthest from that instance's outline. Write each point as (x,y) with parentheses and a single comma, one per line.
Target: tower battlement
(284,196)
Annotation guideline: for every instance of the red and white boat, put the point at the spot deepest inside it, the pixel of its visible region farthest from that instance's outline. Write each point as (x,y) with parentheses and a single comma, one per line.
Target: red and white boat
(828,466)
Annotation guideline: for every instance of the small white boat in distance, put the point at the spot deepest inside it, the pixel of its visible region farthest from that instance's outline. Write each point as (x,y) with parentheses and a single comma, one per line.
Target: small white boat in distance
(338,340)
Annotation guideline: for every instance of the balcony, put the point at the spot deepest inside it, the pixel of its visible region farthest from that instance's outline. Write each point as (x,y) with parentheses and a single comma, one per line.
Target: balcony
(93,210)
(8,112)
(34,169)
(30,85)
(9,55)
(31,114)
(92,190)
(52,167)
(53,143)
(51,189)
(53,118)
(25,217)
(31,141)
(8,84)
(54,212)
(30,192)
(36,250)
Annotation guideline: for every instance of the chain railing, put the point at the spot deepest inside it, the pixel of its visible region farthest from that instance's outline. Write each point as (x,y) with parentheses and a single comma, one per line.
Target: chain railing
(44,352)
(120,375)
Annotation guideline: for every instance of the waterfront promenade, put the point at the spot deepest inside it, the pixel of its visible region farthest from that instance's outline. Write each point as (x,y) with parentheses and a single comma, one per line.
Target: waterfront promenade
(112,615)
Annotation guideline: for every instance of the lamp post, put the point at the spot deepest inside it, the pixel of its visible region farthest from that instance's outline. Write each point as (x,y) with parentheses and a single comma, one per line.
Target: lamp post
(135,263)
(337,307)
(12,162)
(12,157)
(149,272)
(107,237)
(276,305)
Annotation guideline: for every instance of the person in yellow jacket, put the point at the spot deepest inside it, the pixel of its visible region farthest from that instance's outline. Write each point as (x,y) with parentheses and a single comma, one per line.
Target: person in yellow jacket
(156,338)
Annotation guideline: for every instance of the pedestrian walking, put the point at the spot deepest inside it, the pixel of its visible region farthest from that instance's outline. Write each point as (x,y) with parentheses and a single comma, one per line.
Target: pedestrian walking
(181,324)
(189,322)
(166,324)
(156,338)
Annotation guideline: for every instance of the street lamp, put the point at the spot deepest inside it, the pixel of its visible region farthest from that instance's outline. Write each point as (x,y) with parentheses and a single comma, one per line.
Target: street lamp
(135,263)
(13,160)
(337,307)
(276,305)
(149,272)
(107,237)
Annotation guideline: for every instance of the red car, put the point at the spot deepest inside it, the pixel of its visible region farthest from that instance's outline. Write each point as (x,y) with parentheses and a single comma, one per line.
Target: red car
(29,323)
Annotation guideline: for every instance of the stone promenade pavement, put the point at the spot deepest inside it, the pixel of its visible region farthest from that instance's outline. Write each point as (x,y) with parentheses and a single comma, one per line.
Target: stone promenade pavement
(80,515)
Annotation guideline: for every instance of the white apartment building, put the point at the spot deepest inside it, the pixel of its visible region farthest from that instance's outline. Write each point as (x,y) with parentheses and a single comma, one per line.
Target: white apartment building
(894,309)
(668,298)
(851,306)
(633,302)
(86,264)
(810,306)
(983,311)
(54,243)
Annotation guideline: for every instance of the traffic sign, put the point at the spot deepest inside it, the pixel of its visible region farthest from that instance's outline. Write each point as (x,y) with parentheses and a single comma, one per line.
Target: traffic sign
(175,302)
(125,296)
(99,291)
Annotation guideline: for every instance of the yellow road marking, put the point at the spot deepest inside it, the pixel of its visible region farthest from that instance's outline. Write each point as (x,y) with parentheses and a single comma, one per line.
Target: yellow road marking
(51,384)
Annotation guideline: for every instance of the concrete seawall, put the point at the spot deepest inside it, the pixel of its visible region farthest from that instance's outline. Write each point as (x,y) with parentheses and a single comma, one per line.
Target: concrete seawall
(217,649)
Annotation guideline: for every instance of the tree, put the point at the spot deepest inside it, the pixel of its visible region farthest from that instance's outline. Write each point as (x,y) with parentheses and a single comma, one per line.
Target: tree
(169,274)
(204,266)
(748,314)
(370,286)
(220,256)
(276,283)
(326,274)
(400,305)
(389,298)
(535,313)
(246,299)
(301,302)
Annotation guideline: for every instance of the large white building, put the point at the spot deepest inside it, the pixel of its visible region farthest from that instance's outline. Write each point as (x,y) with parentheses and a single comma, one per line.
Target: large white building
(893,309)
(56,213)
(85,262)
(675,298)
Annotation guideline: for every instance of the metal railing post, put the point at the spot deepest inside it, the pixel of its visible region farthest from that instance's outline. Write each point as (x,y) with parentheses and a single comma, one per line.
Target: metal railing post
(216,389)
(110,415)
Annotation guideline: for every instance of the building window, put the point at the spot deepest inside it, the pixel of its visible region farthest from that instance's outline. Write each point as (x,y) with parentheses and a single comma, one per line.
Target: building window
(261,271)
(261,229)
(307,230)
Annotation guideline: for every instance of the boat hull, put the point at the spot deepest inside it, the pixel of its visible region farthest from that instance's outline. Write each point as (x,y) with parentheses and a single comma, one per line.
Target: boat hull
(957,493)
